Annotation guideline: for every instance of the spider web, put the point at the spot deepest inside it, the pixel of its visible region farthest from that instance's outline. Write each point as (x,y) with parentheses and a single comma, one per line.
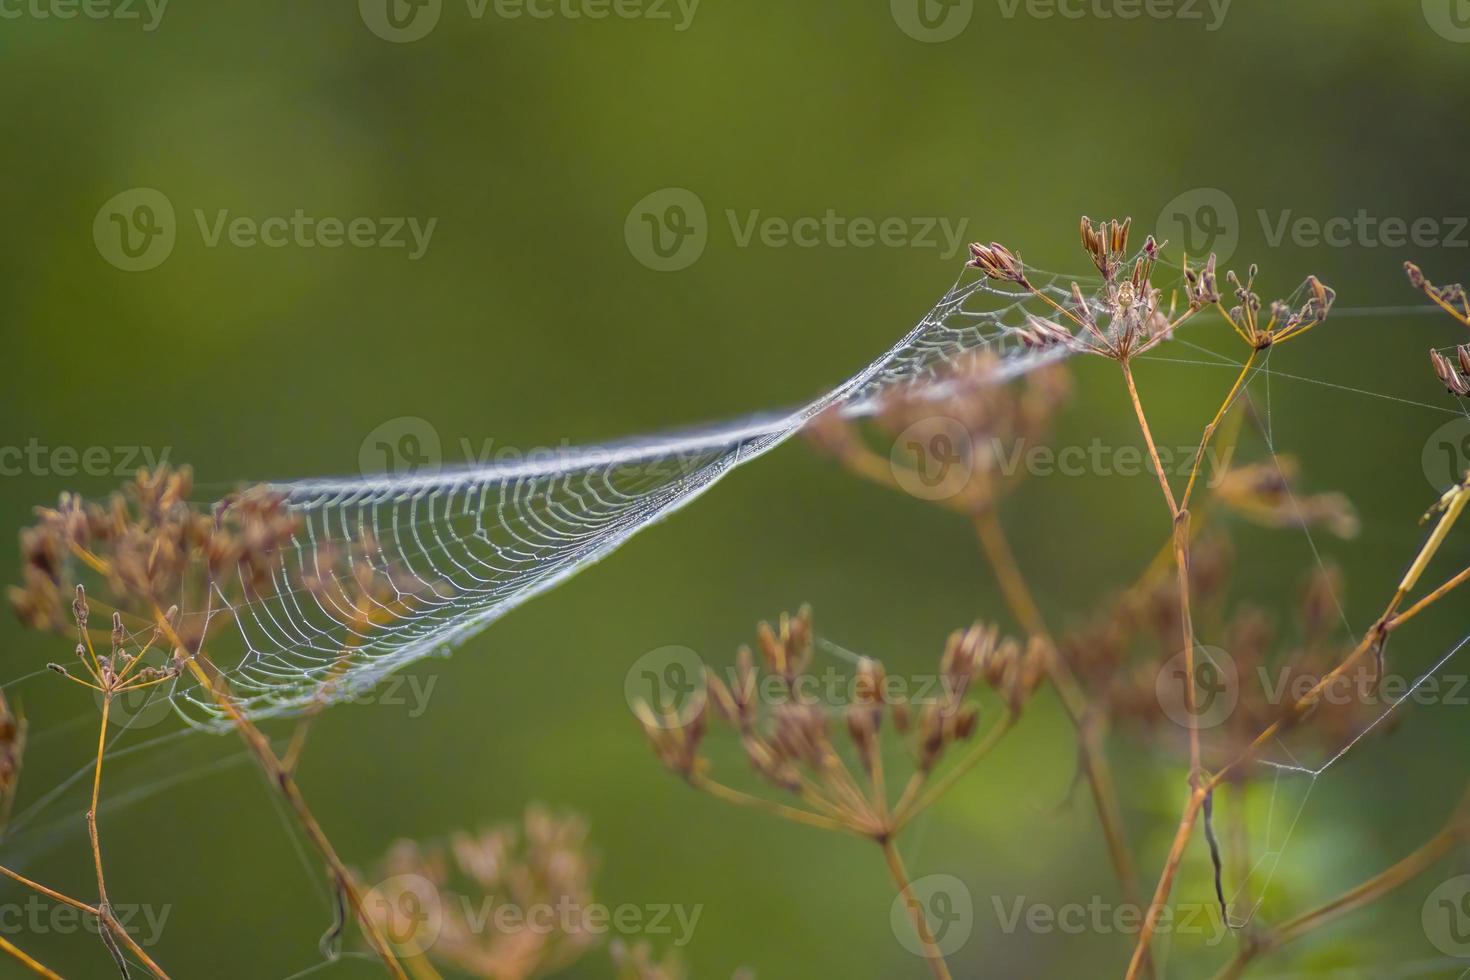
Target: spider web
(464,547)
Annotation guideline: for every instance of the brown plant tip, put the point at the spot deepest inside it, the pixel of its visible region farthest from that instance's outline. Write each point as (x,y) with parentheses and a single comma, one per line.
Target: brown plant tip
(998,262)
(1107,244)
(1454,375)
(1451,298)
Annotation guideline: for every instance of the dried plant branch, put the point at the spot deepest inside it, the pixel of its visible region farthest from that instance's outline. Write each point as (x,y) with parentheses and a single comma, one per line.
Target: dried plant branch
(932,954)
(26,961)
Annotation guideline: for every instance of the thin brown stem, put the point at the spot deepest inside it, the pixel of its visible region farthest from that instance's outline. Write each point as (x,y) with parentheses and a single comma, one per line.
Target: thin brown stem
(731,795)
(932,954)
(283,780)
(956,772)
(26,961)
(1209,433)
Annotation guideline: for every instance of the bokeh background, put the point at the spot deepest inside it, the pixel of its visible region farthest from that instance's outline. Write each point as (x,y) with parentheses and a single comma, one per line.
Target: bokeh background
(533,318)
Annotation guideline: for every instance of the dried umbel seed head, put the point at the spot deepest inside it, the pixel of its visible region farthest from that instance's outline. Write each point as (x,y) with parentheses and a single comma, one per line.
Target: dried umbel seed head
(1454,375)
(1451,298)
(675,737)
(1265,493)
(151,545)
(1202,285)
(1106,243)
(998,262)
(431,896)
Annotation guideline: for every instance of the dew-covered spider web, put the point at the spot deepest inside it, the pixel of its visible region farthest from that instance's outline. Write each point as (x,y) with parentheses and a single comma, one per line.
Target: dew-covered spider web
(464,547)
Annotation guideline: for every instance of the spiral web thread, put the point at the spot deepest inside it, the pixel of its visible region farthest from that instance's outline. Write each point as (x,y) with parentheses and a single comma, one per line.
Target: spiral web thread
(465,547)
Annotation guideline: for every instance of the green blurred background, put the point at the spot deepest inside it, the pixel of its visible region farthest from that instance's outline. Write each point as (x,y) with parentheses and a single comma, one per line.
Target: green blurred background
(530,320)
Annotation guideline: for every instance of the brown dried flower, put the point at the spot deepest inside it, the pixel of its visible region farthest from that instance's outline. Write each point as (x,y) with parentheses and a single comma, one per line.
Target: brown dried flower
(507,903)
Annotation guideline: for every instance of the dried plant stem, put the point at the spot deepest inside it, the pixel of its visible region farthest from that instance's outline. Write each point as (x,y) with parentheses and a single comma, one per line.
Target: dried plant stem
(26,961)
(932,955)
(732,795)
(103,910)
(1209,433)
(1091,755)
(283,780)
(1002,559)
(1454,504)
(1406,870)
